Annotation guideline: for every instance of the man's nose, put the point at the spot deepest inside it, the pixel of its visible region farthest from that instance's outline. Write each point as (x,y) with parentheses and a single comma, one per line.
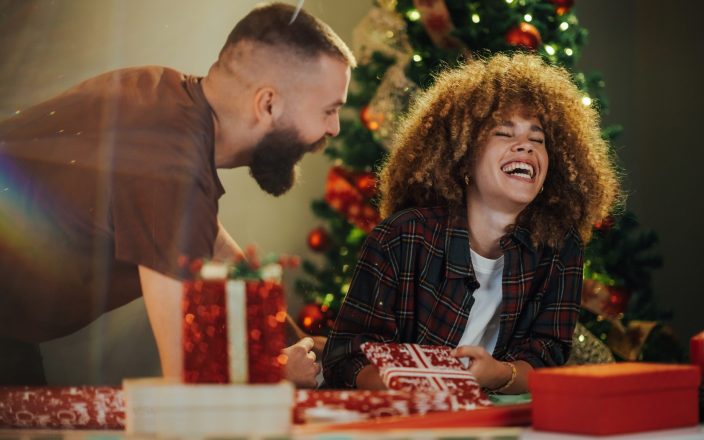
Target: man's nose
(334,127)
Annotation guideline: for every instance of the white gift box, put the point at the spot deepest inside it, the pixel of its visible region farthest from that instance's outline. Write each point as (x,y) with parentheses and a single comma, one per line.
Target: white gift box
(168,408)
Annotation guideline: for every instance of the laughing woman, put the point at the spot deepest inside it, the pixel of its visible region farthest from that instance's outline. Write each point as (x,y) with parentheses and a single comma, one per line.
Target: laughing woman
(490,194)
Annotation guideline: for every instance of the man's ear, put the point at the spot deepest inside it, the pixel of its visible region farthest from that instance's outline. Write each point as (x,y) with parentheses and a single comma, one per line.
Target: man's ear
(268,105)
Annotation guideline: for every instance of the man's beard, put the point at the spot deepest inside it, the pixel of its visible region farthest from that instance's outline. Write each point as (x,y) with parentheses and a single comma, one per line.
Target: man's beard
(275,159)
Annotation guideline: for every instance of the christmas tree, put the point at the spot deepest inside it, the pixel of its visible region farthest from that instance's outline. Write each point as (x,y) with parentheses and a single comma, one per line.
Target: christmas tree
(401,45)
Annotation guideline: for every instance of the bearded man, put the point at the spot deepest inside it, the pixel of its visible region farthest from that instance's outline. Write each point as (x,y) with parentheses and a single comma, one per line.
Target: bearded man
(111,182)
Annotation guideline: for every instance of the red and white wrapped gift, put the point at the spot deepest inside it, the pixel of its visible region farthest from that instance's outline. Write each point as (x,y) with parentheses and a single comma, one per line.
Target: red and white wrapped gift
(233,329)
(426,368)
(62,407)
(335,406)
(349,405)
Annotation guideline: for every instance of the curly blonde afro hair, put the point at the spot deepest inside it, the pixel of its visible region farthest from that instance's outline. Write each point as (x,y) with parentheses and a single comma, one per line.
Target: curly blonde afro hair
(440,138)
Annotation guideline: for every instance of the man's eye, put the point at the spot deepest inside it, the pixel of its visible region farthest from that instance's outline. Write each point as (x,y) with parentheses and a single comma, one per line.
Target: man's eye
(331,112)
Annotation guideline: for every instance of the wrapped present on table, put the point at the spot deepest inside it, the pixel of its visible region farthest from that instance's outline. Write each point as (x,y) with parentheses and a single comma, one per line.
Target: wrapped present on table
(62,408)
(233,328)
(233,333)
(356,405)
(614,398)
(425,368)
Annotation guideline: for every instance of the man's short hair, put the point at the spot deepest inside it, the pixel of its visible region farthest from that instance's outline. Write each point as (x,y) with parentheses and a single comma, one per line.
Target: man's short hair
(281,25)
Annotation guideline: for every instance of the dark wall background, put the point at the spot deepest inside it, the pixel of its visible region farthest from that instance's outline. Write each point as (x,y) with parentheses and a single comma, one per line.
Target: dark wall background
(651,54)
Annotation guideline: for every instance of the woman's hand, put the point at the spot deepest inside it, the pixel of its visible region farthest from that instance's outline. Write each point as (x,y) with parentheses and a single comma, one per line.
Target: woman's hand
(490,373)
(368,379)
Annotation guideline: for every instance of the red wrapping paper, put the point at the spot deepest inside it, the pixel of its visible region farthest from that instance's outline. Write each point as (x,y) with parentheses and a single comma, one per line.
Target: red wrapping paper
(207,344)
(266,315)
(426,368)
(103,407)
(66,407)
(356,405)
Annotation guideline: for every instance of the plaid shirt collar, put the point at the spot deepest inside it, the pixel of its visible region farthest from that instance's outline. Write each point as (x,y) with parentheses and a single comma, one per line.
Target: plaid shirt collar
(458,263)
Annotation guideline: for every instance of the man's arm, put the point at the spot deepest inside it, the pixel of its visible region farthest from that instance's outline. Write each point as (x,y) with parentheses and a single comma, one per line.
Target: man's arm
(162,297)
(301,368)
(226,248)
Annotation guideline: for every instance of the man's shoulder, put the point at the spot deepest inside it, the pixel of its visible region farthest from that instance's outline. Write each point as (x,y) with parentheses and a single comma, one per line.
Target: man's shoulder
(143,75)
(135,83)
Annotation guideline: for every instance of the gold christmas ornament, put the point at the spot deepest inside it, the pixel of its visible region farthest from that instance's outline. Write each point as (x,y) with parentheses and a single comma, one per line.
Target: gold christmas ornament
(384,31)
(588,349)
(628,341)
(392,99)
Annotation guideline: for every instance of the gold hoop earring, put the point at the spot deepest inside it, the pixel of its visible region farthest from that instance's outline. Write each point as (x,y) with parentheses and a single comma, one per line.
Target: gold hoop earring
(466,180)
(541,189)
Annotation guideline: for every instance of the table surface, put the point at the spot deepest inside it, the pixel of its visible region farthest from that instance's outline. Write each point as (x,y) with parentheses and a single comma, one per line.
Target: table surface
(304,433)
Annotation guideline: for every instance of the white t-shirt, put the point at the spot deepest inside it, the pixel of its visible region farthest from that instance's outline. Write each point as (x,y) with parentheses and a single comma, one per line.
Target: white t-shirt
(483,323)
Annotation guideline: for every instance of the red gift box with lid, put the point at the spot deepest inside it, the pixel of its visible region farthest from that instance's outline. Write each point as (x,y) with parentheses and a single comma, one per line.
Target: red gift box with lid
(233,329)
(614,398)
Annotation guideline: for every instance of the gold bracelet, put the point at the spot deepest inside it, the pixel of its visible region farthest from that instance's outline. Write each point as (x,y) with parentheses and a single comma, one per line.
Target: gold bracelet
(510,381)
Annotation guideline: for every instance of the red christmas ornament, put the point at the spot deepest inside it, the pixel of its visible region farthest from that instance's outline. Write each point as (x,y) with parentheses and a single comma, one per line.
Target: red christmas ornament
(366,184)
(318,239)
(562,6)
(605,224)
(370,119)
(618,301)
(311,318)
(524,35)
(343,194)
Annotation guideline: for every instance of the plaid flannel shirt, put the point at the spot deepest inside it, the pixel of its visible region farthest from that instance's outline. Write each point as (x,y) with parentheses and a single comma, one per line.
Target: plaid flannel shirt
(414,283)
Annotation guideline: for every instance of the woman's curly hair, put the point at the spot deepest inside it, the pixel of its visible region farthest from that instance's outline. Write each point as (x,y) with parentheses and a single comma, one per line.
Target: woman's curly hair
(440,138)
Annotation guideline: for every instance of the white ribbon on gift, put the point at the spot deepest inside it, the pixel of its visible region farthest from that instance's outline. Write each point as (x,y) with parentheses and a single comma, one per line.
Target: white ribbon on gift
(236,300)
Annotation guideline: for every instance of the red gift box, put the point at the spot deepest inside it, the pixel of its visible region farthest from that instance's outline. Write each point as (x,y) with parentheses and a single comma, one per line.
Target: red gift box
(233,330)
(428,368)
(614,398)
